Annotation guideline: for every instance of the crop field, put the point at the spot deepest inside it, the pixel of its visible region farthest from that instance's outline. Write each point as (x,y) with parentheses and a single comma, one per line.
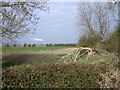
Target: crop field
(44,69)
(32,49)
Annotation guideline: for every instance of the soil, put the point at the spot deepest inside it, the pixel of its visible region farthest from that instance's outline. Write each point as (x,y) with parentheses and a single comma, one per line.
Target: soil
(58,51)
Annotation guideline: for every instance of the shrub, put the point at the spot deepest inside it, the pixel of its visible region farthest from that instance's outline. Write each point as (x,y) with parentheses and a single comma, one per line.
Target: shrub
(29,45)
(111,44)
(14,45)
(33,45)
(25,45)
(89,40)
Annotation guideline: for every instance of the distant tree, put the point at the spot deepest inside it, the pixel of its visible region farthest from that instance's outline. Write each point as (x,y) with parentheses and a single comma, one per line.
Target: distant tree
(25,45)
(14,45)
(16,16)
(89,40)
(29,45)
(33,45)
(7,45)
(49,45)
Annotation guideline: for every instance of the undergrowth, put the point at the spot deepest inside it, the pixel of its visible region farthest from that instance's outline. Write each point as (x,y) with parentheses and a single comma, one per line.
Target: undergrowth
(46,71)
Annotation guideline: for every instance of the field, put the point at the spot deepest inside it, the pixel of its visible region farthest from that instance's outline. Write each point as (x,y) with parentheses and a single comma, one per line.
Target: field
(32,49)
(42,67)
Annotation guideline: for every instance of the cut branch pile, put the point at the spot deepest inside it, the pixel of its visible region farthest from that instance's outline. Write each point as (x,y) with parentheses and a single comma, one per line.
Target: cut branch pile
(83,51)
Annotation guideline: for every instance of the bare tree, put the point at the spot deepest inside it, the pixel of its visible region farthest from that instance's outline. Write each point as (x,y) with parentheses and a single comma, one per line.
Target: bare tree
(95,18)
(16,16)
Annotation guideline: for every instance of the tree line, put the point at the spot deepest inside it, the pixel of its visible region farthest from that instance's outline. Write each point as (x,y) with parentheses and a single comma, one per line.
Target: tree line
(24,45)
(62,45)
(34,45)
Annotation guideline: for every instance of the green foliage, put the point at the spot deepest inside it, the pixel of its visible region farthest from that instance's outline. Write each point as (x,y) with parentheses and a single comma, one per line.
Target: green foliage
(94,41)
(42,71)
(90,40)
(111,44)
(96,59)
(51,76)
(56,75)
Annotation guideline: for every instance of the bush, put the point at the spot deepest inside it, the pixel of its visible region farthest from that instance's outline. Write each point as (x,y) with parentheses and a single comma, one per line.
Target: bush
(33,45)
(29,45)
(14,45)
(111,44)
(89,40)
(51,76)
(95,41)
(25,45)
(62,76)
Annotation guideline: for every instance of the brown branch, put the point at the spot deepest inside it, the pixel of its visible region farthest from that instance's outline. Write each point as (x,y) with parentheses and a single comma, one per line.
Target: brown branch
(77,53)
(10,5)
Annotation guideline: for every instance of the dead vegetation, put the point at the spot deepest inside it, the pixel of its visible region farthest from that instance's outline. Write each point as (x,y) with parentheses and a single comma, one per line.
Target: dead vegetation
(84,51)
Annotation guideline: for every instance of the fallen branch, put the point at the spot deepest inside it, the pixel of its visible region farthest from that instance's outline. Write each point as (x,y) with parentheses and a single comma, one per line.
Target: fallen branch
(87,51)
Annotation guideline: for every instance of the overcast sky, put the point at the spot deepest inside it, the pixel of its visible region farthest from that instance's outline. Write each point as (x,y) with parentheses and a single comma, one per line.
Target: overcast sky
(57,26)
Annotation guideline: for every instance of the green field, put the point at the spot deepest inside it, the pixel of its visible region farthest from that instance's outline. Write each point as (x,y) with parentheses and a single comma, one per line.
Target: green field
(32,49)
(25,70)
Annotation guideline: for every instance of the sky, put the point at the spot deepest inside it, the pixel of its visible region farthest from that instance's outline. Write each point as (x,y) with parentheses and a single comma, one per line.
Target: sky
(56,26)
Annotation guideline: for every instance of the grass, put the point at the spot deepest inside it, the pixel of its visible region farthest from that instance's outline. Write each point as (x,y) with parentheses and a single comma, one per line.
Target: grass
(95,59)
(32,49)
(22,70)
(19,59)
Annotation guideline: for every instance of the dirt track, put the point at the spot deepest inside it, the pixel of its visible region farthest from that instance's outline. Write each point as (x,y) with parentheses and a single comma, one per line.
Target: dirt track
(58,51)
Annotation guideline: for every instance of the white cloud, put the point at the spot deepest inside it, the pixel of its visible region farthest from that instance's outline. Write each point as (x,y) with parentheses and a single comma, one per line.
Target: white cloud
(38,39)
